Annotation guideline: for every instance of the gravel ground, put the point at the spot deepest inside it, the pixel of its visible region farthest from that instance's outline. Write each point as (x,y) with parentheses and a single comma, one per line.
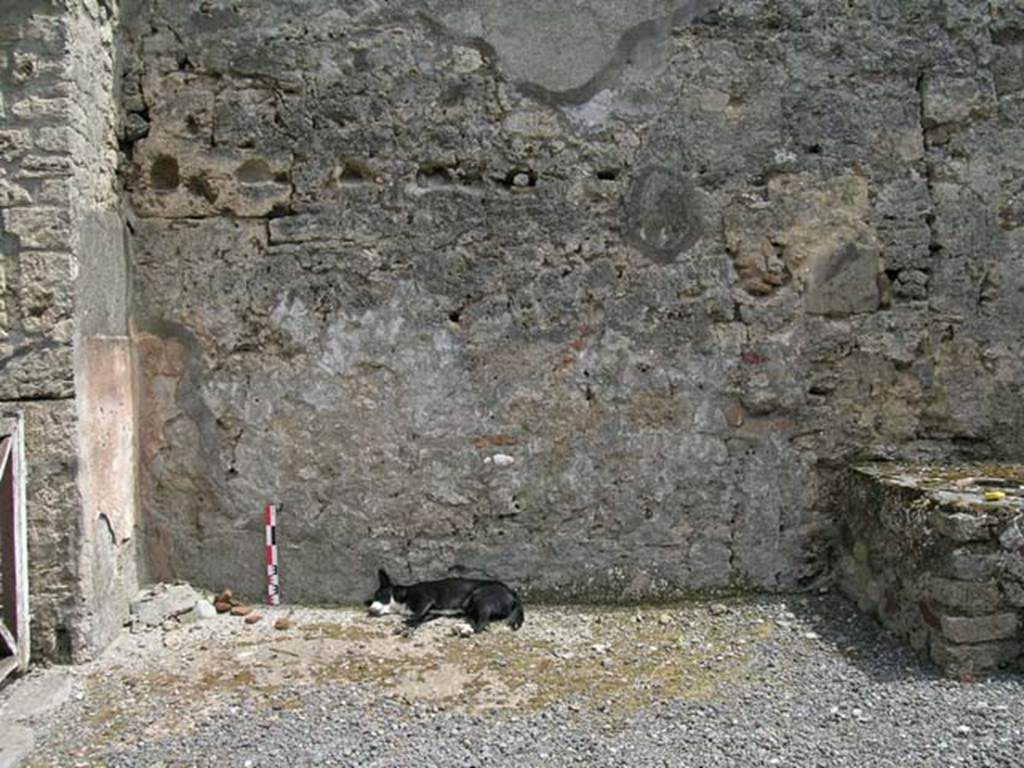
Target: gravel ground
(795,681)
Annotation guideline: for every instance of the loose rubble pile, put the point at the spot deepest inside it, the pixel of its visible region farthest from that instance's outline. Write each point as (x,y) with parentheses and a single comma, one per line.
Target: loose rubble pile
(170,606)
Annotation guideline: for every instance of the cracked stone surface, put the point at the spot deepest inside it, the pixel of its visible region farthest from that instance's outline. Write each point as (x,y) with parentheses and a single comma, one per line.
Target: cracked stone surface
(679,262)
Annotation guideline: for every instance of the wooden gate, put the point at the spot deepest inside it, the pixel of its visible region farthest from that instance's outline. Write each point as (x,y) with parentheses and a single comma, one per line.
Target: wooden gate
(14,641)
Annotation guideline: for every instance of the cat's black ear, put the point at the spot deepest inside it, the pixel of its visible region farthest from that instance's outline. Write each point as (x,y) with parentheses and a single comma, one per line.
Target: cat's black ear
(383,577)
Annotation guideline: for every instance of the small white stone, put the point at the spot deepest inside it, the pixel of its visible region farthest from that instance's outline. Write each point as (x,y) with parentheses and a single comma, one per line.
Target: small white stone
(812,636)
(783,156)
(205,610)
(466,59)
(503,460)
(963,730)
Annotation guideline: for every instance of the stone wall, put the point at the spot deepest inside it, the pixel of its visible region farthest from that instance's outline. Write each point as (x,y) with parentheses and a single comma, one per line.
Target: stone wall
(595,297)
(64,353)
(923,550)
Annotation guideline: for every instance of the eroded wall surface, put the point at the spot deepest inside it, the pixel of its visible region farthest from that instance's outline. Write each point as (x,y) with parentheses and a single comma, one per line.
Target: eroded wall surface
(591,296)
(65,357)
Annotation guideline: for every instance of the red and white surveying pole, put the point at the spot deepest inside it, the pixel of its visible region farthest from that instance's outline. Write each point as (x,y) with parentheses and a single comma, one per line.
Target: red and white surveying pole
(273,583)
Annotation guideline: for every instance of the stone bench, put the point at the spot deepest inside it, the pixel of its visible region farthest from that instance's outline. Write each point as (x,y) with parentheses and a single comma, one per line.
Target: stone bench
(939,564)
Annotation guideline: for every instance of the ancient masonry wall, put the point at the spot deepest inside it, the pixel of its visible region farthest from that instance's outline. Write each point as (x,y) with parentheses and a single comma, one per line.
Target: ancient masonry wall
(597,297)
(65,359)
(594,296)
(921,549)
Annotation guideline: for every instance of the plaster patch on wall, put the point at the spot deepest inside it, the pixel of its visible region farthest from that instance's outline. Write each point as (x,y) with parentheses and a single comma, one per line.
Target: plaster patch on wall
(565,53)
(663,214)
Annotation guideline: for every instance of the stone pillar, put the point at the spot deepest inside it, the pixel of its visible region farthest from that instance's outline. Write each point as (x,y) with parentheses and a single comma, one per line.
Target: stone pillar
(65,360)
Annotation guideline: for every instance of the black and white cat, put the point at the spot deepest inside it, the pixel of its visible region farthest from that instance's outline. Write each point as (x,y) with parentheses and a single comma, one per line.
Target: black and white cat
(477,600)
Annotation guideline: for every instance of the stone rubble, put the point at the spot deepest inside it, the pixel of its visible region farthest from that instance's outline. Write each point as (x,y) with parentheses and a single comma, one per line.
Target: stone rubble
(155,606)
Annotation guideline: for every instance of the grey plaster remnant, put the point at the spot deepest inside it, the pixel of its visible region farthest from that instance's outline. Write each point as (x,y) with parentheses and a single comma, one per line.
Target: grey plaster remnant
(845,282)
(662,212)
(102,286)
(564,54)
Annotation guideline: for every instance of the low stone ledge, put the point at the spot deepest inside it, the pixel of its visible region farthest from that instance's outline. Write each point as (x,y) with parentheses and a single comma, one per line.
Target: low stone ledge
(964,527)
(959,660)
(979,629)
(937,554)
(965,597)
(971,565)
